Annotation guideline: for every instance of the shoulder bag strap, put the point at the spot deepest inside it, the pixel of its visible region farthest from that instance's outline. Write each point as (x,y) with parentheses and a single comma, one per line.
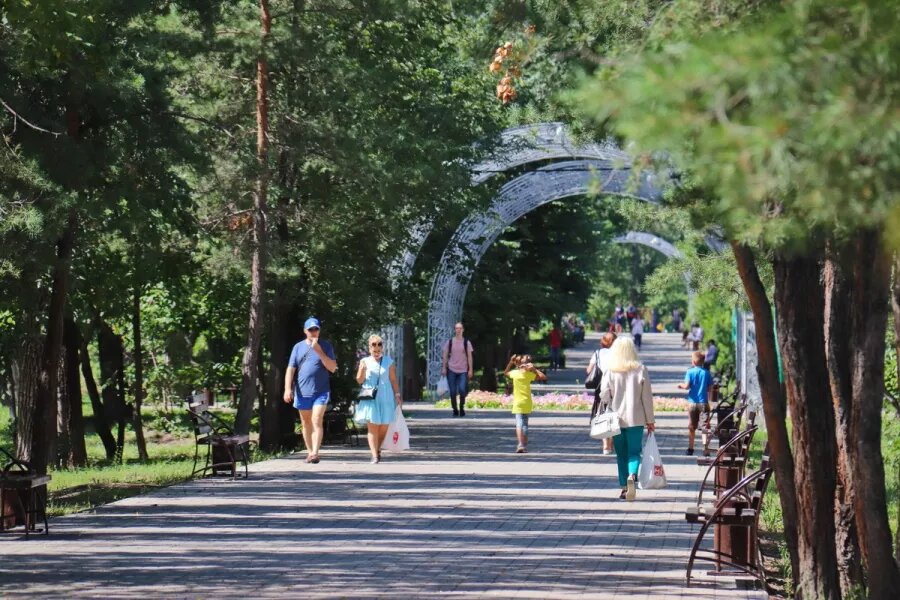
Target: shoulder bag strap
(308,350)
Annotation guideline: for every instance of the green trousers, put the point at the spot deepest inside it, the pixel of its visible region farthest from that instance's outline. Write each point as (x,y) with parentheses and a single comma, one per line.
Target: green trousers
(628,446)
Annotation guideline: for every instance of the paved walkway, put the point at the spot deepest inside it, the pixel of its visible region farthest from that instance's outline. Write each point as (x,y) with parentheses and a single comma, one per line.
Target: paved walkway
(459,516)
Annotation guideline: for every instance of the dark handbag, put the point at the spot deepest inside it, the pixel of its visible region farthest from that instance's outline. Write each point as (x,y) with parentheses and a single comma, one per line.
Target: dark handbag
(594,377)
(370,393)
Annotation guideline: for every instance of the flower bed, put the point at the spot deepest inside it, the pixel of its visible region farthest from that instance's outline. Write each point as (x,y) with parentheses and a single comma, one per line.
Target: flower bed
(556,401)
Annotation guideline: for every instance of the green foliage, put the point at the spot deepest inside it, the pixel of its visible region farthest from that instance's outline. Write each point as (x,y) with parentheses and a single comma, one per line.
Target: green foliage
(516,286)
(773,117)
(716,319)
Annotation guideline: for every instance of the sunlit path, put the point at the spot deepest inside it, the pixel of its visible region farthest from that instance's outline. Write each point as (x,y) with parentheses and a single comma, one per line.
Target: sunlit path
(459,516)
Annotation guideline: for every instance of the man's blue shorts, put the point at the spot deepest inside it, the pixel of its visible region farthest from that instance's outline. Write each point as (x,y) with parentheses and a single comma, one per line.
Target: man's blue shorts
(307,402)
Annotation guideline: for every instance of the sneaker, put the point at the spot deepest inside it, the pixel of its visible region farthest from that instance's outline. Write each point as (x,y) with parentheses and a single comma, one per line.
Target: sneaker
(520,450)
(607,451)
(375,460)
(630,490)
(462,412)
(455,413)
(690,452)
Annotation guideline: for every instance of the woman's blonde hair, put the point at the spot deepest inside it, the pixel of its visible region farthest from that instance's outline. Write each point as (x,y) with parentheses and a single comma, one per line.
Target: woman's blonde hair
(623,356)
(375,338)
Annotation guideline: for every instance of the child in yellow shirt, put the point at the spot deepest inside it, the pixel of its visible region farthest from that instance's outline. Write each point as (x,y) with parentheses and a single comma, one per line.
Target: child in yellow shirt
(522,372)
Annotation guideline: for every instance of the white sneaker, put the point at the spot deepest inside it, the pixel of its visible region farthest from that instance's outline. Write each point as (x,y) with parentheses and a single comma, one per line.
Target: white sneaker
(630,491)
(607,451)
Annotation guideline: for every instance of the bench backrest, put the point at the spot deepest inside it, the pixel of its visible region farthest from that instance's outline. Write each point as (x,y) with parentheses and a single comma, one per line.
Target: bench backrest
(198,409)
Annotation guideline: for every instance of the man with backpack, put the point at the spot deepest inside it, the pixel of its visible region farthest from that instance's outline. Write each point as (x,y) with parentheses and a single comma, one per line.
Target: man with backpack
(458,368)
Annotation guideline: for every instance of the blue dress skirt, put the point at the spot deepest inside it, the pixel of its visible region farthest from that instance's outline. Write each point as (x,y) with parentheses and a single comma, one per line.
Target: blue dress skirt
(379,411)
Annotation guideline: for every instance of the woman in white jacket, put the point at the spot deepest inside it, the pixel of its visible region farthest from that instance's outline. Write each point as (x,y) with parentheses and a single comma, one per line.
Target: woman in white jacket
(626,387)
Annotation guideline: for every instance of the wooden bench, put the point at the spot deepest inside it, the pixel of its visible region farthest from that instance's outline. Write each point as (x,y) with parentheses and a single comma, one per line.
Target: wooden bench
(23,496)
(729,414)
(223,447)
(338,423)
(729,463)
(735,513)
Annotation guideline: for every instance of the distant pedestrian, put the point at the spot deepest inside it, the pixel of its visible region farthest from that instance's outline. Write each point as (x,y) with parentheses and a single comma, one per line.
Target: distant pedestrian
(637,330)
(521,371)
(630,314)
(696,336)
(601,359)
(676,320)
(555,340)
(698,382)
(377,372)
(307,384)
(626,386)
(458,368)
(712,353)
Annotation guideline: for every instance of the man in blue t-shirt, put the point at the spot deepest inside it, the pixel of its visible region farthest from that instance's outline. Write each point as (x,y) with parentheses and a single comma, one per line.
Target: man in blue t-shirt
(698,382)
(307,384)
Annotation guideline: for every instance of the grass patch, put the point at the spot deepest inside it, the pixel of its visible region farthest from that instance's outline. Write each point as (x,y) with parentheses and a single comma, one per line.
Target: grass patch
(170,444)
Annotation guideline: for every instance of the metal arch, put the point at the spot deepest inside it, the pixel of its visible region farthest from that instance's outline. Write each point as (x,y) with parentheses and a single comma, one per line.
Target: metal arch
(539,142)
(651,241)
(665,247)
(518,197)
(516,147)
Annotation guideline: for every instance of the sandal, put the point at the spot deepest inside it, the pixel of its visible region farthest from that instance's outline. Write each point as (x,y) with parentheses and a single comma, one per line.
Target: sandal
(314,459)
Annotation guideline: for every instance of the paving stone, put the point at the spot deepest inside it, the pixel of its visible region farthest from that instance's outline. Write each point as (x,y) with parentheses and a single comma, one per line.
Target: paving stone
(459,516)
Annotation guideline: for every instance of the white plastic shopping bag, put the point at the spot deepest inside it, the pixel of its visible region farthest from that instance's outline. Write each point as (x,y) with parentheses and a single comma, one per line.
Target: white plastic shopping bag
(443,388)
(397,438)
(652,474)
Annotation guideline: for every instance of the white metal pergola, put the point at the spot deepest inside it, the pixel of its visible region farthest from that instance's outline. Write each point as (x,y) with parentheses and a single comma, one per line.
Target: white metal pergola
(567,179)
(517,147)
(574,170)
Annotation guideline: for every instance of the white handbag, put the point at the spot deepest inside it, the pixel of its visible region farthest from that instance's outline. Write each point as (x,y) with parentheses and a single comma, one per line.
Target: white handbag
(605,425)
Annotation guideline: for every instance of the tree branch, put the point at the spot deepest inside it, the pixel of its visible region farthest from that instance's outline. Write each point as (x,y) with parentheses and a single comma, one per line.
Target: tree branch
(17,117)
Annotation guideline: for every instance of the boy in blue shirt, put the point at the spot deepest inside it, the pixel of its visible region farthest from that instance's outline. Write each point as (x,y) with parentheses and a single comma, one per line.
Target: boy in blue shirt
(698,382)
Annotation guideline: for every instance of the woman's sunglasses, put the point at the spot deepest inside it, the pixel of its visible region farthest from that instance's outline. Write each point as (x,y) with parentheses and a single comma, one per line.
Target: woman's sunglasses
(376,344)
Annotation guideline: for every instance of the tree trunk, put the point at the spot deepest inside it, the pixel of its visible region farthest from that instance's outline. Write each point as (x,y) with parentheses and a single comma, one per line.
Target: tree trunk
(869,274)
(137,419)
(101,422)
(26,372)
(839,343)
(773,396)
(72,342)
(895,306)
(278,420)
(112,367)
(63,410)
(412,384)
(488,356)
(259,242)
(44,434)
(800,304)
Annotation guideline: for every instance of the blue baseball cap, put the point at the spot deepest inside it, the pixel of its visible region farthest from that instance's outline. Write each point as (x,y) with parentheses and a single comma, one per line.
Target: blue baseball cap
(311,322)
